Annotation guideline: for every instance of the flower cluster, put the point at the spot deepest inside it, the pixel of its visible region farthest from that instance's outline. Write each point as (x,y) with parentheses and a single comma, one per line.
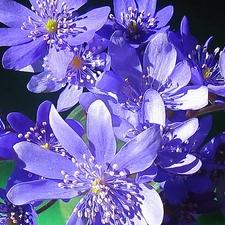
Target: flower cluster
(133,150)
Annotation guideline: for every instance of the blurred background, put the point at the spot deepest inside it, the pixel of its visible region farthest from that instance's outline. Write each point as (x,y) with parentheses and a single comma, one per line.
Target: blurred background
(206,18)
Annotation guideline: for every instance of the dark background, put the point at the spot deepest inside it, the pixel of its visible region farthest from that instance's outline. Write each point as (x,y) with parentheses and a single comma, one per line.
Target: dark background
(206,18)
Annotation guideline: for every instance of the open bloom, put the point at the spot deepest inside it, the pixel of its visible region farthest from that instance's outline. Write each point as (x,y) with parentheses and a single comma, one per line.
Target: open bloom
(207,68)
(110,196)
(12,214)
(138,20)
(86,63)
(49,26)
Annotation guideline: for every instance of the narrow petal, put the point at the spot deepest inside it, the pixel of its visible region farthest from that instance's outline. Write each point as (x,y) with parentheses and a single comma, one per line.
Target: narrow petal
(153,108)
(67,137)
(38,190)
(143,148)
(35,159)
(69,97)
(100,132)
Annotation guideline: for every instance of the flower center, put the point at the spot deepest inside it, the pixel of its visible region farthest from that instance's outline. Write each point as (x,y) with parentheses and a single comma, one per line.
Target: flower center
(77,62)
(206,73)
(51,26)
(95,186)
(46,146)
(13,219)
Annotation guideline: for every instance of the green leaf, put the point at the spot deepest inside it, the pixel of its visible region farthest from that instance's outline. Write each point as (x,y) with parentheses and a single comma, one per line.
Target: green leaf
(78,114)
(6,168)
(58,213)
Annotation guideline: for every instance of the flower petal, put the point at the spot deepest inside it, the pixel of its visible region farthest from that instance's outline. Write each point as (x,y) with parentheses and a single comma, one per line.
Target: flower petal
(69,97)
(43,83)
(179,162)
(143,148)
(13,36)
(151,207)
(188,98)
(19,122)
(40,161)
(153,108)
(20,56)
(67,137)
(28,192)
(160,58)
(14,14)
(100,132)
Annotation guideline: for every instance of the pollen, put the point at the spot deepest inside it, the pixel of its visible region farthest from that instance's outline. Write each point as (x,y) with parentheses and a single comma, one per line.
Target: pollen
(132,26)
(95,186)
(46,146)
(51,26)
(206,73)
(77,62)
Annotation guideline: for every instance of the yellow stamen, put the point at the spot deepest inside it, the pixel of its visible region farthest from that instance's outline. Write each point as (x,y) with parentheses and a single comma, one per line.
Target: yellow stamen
(76,62)
(133,26)
(51,26)
(206,73)
(46,146)
(95,186)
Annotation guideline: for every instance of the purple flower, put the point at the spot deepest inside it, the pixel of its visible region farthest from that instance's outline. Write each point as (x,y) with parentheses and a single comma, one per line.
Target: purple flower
(49,27)
(39,132)
(138,20)
(110,196)
(12,214)
(85,65)
(207,69)
(160,72)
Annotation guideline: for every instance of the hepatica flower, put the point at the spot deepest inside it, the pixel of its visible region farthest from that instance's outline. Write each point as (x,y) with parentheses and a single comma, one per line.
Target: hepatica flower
(207,68)
(98,173)
(85,65)
(49,26)
(138,20)
(12,214)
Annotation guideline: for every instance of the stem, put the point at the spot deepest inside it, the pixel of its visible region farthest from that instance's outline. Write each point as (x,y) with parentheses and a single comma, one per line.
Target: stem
(209,109)
(45,207)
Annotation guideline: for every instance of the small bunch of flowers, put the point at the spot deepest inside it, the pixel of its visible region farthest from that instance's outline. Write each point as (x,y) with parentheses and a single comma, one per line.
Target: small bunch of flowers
(133,150)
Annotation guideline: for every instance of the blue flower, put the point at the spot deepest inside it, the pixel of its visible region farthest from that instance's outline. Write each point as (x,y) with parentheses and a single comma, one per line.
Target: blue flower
(102,176)
(207,68)
(85,65)
(50,26)
(12,214)
(138,20)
